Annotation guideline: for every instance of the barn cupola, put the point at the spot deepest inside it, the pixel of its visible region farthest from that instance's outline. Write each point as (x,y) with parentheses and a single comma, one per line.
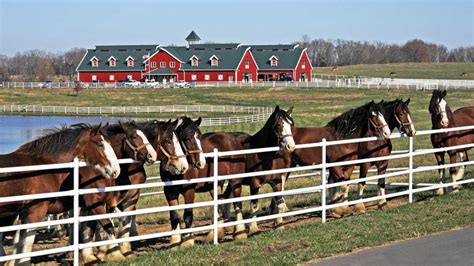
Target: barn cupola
(94,61)
(192,38)
(112,61)
(194,61)
(214,61)
(273,61)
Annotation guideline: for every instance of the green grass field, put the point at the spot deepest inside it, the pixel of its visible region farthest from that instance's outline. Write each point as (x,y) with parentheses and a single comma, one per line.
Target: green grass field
(404,70)
(313,108)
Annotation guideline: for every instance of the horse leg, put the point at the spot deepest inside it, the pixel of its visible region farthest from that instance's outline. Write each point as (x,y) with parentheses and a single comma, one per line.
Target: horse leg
(109,252)
(381,169)
(338,174)
(364,168)
(86,231)
(125,224)
(220,231)
(255,207)
(172,196)
(188,239)
(280,205)
(456,174)
(440,159)
(240,232)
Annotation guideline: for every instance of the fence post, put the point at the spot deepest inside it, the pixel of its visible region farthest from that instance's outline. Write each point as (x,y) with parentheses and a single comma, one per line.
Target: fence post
(410,166)
(216,195)
(76,211)
(323,182)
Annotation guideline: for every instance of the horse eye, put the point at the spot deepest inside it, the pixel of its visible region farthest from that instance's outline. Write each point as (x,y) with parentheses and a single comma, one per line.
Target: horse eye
(100,144)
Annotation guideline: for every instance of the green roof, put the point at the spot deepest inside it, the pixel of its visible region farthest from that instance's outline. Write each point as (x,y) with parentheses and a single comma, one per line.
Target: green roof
(192,37)
(266,47)
(160,71)
(214,46)
(120,53)
(228,59)
(286,59)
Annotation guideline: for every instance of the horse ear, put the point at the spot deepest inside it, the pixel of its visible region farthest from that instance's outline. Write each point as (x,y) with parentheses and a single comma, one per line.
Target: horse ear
(290,111)
(408,101)
(96,130)
(174,124)
(443,94)
(277,108)
(198,121)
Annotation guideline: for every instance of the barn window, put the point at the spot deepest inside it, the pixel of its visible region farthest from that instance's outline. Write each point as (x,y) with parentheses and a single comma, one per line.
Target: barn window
(193,77)
(247,64)
(273,61)
(220,77)
(111,78)
(207,77)
(129,77)
(303,65)
(172,64)
(112,62)
(94,77)
(153,64)
(194,61)
(214,61)
(162,64)
(130,61)
(94,62)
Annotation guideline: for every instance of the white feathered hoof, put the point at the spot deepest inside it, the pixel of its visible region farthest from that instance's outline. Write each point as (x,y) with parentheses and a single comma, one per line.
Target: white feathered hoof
(115,255)
(253,229)
(187,242)
(229,230)
(210,235)
(339,212)
(456,188)
(175,242)
(359,208)
(240,232)
(90,260)
(440,191)
(126,249)
(382,205)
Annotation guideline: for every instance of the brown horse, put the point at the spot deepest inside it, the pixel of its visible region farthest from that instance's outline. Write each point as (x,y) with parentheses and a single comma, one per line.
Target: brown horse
(169,152)
(397,114)
(127,141)
(276,132)
(84,142)
(364,121)
(443,117)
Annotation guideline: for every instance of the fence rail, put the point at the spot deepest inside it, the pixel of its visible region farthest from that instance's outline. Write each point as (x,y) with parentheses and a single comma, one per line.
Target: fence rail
(215,225)
(318,81)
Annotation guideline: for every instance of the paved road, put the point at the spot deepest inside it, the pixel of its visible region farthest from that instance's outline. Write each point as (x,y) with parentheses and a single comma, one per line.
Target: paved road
(449,248)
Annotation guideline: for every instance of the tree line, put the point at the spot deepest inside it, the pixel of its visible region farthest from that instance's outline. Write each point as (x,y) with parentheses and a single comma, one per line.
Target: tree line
(343,52)
(38,65)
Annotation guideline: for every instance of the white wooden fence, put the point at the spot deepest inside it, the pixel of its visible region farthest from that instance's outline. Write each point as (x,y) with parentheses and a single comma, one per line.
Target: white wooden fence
(413,187)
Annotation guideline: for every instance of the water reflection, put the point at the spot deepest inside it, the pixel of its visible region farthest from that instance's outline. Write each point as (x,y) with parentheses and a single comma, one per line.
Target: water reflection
(17,130)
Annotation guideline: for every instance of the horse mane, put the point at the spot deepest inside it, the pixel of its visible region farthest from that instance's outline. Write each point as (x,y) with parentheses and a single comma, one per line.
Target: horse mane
(262,134)
(434,100)
(150,128)
(187,128)
(57,140)
(352,120)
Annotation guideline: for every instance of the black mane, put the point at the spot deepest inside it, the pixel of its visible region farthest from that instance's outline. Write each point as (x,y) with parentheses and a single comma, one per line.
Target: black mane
(57,141)
(355,119)
(187,128)
(435,98)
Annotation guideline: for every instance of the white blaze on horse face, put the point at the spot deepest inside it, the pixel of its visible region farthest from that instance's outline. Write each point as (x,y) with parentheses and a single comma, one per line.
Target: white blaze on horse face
(412,126)
(112,170)
(202,159)
(385,129)
(149,147)
(288,141)
(444,116)
(182,164)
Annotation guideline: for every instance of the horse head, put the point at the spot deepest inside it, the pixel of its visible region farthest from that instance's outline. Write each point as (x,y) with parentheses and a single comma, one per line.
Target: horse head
(189,136)
(282,124)
(439,109)
(377,120)
(136,144)
(403,117)
(169,150)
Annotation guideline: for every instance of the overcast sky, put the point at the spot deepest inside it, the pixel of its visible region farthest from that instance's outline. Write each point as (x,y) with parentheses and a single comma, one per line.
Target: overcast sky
(58,25)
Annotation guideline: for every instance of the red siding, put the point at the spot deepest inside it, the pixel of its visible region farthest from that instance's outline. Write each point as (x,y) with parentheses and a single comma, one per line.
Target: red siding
(201,76)
(241,70)
(105,76)
(307,70)
(163,56)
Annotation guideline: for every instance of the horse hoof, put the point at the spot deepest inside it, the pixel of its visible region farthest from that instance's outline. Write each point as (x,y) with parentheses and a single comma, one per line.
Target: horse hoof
(229,230)
(440,191)
(382,205)
(126,248)
(240,235)
(90,260)
(187,243)
(253,229)
(279,226)
(210,237)
(341,211)
(115,256)
(359,208)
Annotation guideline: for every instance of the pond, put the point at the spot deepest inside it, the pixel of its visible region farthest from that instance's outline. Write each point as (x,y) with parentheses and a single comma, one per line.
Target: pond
(17,130)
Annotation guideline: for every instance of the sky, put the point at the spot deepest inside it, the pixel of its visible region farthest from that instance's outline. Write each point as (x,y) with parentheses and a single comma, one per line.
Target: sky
(58,25)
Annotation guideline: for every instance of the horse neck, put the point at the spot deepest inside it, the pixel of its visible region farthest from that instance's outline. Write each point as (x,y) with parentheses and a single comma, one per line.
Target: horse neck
(117,141)
(265,137)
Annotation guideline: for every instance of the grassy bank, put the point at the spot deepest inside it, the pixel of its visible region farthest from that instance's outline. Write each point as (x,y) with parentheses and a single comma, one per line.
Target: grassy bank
(404,70)
(314,240)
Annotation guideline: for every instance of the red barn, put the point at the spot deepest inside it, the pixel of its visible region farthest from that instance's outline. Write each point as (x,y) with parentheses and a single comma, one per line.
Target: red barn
(230,62)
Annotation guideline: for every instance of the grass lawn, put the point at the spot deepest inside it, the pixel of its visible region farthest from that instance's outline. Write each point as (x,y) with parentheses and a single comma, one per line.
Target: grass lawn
(404,70)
